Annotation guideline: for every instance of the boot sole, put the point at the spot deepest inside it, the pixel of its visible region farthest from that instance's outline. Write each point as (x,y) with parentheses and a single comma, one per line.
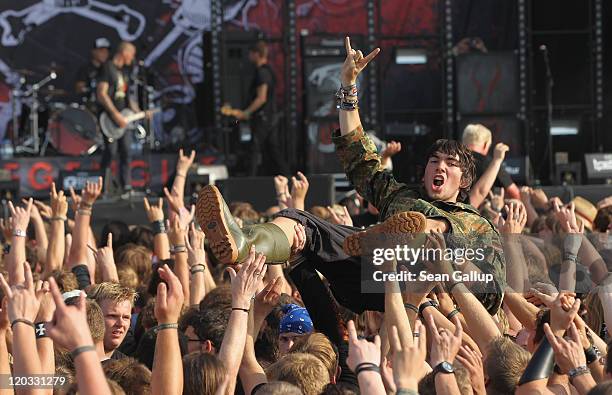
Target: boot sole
(404,222)
(210,217)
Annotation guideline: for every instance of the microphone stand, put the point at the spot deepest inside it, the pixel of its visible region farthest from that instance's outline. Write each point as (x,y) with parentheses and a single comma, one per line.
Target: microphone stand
(549,116)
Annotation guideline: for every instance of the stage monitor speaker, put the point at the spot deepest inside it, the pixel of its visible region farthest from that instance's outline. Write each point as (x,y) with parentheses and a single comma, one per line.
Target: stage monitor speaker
(519,168)
(504,129)
(598,166)
(487,83)
(569,173)
(259,191)
(77,179)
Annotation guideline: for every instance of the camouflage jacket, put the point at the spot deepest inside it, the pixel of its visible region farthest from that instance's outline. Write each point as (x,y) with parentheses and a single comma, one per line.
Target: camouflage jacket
(362,165)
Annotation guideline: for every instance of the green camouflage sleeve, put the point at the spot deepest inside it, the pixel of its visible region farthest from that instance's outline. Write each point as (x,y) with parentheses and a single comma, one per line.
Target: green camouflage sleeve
(361,162)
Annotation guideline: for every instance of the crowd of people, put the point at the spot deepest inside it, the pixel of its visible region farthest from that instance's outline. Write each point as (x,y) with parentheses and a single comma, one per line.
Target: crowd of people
(216,299)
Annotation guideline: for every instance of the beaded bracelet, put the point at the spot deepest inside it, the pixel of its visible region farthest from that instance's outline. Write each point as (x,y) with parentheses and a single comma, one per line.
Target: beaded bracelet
(162,327)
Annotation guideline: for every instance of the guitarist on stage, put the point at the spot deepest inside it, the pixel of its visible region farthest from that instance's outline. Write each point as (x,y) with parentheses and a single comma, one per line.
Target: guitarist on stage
(266,153)
(113,96)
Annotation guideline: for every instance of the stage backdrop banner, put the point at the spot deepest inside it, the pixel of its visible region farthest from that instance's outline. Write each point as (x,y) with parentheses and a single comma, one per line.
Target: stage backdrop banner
(36,174)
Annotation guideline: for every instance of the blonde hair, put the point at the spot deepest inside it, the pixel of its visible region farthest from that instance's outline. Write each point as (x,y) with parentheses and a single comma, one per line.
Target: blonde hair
(476,134)
(128,277)
(112,291)
(504,365)
(318,345)
(304,370)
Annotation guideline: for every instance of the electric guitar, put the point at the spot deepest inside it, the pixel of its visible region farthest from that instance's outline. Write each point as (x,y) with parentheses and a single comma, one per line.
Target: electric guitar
(112,131)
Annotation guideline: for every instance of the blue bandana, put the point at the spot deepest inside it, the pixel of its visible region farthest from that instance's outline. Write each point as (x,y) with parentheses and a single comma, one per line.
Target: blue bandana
(295,320)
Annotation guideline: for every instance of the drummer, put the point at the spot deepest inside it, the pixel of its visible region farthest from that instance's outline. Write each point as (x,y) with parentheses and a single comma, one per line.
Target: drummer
(85,85)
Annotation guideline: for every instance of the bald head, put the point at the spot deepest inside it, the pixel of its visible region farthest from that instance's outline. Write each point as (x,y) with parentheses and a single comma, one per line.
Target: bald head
(126,52)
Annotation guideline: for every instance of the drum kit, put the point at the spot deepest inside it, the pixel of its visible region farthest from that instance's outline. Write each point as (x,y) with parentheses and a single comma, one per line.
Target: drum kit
(52,116)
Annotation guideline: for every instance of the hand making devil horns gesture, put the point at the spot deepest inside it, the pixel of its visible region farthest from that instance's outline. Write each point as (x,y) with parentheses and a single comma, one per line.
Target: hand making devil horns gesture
(354,63)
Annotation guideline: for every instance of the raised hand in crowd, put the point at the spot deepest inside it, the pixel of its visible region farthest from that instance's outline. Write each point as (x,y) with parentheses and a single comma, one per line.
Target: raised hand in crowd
(20,218)
(90,193)
(363,359)
(57,243)
(515,220)
(106,261)
(354,63)
(175,199)
(244,286)
(408,357)
(570,357)
(177,231)
(69,330)
(603,203)
(281,187)
(168,306)
(445,346)
(472,361)
(497,201)
(184,163)
(75,199)
(45,210)
(392,148)
(299,188)
(500,150)
(155,212)
(343,218)
(196,259)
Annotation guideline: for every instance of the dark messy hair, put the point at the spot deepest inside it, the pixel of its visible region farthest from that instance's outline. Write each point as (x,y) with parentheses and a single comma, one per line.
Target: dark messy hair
(466,162)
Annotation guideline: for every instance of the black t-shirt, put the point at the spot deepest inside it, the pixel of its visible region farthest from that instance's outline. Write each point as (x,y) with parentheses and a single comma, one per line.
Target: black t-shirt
(264,75)
(88,73)
(482,162)
(118,84)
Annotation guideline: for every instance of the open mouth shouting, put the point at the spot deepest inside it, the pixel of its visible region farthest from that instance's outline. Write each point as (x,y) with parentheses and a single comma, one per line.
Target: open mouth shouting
(438,183)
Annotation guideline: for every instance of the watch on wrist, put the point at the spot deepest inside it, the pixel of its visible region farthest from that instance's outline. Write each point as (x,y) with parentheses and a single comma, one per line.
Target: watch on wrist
(443,367)
(19,233)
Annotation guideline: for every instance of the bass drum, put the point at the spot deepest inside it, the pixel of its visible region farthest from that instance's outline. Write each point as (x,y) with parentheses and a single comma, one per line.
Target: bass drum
(74,131)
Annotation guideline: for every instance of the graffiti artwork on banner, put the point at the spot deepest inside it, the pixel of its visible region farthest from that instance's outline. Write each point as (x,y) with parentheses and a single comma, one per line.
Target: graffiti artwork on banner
(15,24)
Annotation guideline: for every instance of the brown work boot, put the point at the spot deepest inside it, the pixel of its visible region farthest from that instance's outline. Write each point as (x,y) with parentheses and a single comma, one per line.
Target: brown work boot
(229,243)
(404,222)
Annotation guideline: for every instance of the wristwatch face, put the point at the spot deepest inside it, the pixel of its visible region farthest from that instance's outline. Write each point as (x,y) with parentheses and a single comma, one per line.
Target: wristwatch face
(446,367)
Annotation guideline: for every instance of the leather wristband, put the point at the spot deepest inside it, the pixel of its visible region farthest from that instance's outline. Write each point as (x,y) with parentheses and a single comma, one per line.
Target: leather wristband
(22,321)
(366,367)
(80,350)
(424,305)
(40,330)
(591,355)
(412,307)
(240,309)
(158,227)
(453,313)
(197,268)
